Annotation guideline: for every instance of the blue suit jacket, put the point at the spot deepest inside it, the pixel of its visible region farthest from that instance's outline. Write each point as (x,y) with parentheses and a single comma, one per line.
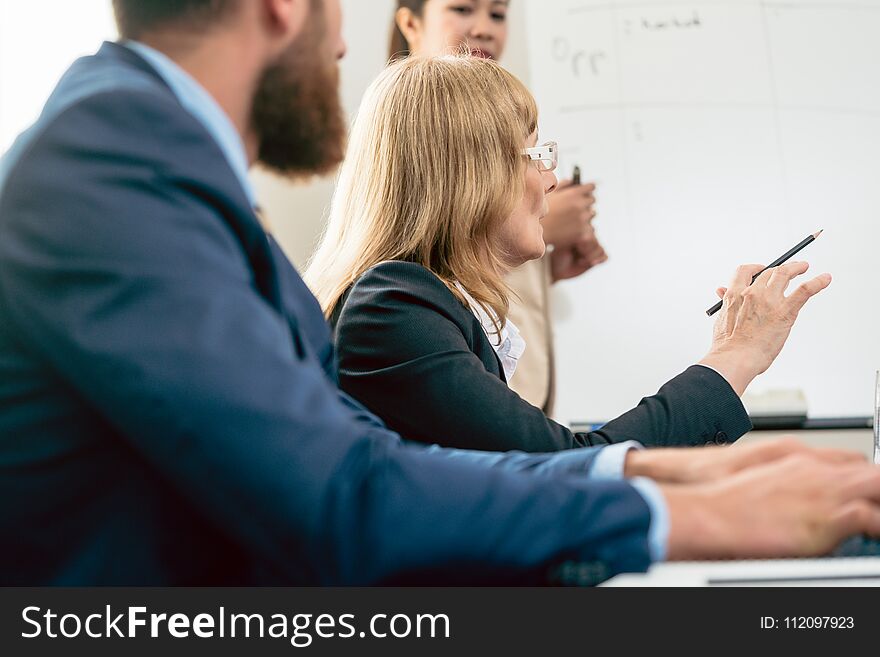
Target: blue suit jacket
(168,404)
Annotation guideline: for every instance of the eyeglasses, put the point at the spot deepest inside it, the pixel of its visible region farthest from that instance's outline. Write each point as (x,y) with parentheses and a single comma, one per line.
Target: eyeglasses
(545,156)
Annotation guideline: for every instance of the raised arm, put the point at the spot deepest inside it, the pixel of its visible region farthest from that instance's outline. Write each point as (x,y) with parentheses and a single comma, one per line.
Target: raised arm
(405,354)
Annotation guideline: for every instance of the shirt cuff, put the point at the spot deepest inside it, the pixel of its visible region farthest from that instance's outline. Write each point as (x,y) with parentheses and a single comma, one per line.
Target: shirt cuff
(658,532)
(611,459)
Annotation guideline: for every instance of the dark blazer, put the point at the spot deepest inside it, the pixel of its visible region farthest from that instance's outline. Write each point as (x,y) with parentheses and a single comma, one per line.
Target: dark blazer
(169,412)
(419,359)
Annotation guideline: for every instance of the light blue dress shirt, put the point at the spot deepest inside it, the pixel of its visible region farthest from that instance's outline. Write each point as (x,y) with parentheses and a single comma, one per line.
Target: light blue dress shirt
(609,464)
(196,100)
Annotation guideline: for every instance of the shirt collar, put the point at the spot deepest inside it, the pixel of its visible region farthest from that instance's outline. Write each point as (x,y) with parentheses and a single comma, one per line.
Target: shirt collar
(196,100)
(508,344)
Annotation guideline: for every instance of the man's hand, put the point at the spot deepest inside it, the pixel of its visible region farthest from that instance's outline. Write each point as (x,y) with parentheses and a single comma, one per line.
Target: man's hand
(709,464)
(798,506)
(756,319)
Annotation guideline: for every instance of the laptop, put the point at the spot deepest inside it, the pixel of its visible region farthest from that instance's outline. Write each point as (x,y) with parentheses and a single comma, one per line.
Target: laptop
(853,563)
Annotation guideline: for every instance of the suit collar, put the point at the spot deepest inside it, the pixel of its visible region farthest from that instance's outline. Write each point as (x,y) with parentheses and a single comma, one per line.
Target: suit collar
(112,50)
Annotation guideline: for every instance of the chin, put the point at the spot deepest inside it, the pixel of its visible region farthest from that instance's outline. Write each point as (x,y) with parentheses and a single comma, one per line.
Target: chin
(541,245)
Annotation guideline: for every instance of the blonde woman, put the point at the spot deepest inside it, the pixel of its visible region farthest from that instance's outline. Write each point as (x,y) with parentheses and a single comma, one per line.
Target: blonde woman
(442,192)
(427,28)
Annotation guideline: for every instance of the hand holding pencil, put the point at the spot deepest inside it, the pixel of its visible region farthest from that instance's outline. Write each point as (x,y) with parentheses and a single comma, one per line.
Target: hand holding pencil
(756,319)
(781,259)
(571,213)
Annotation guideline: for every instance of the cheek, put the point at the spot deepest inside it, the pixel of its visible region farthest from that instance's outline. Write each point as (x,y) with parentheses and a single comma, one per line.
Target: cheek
(535,192)
(452,32)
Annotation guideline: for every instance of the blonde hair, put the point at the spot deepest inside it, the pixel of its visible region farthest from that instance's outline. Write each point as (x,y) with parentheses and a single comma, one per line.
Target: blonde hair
(433,170)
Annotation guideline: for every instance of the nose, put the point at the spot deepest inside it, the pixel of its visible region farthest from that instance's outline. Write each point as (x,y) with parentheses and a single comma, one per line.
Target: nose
(482,27)
(341,48)
(550,181)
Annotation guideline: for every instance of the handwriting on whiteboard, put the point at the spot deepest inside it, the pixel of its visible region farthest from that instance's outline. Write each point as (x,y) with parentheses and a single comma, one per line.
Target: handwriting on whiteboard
(671,24)
(584,62)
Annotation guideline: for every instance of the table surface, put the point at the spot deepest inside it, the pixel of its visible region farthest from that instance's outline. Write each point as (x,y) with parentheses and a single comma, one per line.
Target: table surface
(860,440)
(852,571)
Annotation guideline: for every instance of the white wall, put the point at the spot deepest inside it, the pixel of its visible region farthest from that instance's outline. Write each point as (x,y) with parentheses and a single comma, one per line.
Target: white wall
(38,41)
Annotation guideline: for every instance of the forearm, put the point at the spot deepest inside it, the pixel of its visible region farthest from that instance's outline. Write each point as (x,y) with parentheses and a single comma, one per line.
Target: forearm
(695,408)
(575,519)
(737,368)
(576,462)
(414,398)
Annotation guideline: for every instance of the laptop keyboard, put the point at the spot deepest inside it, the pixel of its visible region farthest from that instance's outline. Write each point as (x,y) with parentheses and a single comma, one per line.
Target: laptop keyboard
(858,546)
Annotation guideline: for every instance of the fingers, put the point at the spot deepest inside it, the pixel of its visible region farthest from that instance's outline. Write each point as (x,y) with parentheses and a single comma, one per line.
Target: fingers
(586,217)
(779,447)
(582,195)
(858,517)
(594,257)
(732,296)
(777,280)
(870,522)
(779,277)
(721,291)
(859,512)
(806,291)
(742,278)
(589,251)
(859,481)
(788,443)
(581,190)
(834,455)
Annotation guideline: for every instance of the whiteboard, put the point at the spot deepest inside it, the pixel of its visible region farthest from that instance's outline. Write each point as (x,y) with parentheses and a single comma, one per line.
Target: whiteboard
(718,133)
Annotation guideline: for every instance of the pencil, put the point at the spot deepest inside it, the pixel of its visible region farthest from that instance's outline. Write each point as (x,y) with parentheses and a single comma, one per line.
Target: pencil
(785,256)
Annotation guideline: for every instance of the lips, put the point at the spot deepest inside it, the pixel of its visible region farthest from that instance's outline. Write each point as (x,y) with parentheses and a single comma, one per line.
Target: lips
(478,52)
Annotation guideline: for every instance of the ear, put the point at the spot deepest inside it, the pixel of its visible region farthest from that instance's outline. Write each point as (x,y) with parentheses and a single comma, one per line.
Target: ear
(409,24)
(286,18)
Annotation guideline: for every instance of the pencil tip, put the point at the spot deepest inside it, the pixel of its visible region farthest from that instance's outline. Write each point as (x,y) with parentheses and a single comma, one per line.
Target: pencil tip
(815,235)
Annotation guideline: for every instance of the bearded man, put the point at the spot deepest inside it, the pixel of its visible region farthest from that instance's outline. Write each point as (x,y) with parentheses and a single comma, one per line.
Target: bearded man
(168,404)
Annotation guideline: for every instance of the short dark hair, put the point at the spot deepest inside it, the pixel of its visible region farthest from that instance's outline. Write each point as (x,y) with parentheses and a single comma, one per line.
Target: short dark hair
(138,17)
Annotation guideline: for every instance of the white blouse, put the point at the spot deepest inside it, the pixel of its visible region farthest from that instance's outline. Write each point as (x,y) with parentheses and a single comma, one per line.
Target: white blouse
(508,344)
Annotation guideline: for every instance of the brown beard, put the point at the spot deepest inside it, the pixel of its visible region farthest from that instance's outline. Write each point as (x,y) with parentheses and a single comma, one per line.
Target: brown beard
(297,114)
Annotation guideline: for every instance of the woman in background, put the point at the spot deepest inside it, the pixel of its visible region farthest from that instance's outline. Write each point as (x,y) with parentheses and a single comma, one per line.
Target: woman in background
(439,27)
(443,192)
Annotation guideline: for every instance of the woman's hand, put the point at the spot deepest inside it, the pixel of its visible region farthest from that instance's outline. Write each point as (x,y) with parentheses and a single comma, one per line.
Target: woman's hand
(571,211)
(755,320)
(708,464)
(573,261)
